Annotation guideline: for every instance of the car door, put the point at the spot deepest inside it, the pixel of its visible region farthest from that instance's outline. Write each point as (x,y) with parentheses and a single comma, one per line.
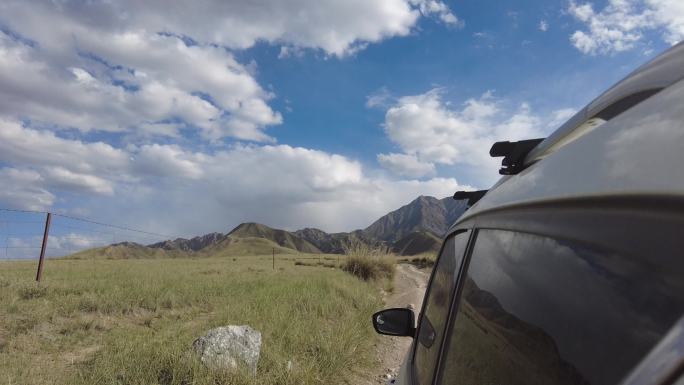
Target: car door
(436,303)
(534,309)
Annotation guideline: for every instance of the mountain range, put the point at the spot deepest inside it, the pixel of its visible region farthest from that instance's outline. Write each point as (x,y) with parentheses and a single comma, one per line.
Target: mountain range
(409,230)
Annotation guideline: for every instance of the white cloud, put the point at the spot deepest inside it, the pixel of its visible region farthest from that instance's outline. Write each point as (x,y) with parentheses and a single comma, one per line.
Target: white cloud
(167,160)
(160,67)
(543,25)
(22,189)
(430,130)
(172,190)
(160,79)
(91,167)
(439,9)
(621,24)
(381,98)
(31,147)
(62,178)
(406,165)
(336,27)
(670,14)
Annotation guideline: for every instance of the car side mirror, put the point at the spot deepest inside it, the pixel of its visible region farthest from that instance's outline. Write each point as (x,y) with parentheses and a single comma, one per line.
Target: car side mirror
(395,322)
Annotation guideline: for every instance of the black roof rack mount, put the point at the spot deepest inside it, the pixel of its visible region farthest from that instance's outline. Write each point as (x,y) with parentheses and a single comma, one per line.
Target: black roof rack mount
(471,196)
(514,154)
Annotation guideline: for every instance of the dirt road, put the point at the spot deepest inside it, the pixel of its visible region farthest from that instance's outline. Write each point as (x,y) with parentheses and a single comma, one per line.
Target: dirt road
(409,288)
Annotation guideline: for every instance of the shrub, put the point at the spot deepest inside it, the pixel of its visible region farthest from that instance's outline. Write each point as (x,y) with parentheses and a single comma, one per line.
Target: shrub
(369,268)
(368,262)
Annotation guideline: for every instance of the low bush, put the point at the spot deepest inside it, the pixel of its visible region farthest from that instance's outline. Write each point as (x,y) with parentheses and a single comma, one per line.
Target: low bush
(368,262)
(371,267)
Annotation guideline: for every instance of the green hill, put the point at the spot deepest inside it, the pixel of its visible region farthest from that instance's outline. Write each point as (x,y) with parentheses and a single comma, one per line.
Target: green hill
(127,250)
(232,246)
(279,237)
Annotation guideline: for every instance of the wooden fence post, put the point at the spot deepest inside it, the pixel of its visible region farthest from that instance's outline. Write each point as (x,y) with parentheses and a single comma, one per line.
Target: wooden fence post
(39,273)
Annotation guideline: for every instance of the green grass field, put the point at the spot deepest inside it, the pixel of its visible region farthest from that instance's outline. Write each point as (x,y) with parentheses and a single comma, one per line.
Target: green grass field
(133,321)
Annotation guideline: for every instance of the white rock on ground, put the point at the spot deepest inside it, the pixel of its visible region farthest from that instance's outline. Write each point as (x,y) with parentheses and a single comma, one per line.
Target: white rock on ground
(224,347)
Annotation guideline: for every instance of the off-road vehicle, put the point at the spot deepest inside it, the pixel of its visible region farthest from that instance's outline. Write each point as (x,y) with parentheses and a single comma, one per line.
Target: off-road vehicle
(570,270)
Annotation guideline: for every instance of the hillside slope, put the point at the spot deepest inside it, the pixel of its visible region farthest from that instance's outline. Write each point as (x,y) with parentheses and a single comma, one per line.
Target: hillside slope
(127,250)
(417,242)
(333,243)
(232,246)
(412,229)
(192,244)
(422,214)
(279,237)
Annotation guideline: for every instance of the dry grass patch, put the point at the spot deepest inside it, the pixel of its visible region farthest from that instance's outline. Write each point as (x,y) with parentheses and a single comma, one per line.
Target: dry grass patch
(368,262)
(133,321)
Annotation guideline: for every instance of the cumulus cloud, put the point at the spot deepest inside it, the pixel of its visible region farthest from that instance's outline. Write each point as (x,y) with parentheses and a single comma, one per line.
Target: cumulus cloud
(23,189)
(406,165)
(621,24)
(335,27)
(63,178)
(90,167)
(179,191)
(160,67)
(30,147)
(431,131)
(134,81)
(439,9)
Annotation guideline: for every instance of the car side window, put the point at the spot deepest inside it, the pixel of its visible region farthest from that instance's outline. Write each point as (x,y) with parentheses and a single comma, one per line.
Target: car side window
(538,310)
(436,307)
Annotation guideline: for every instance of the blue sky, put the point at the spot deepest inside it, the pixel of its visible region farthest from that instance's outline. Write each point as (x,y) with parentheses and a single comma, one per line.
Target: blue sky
(184,120)
(498,48)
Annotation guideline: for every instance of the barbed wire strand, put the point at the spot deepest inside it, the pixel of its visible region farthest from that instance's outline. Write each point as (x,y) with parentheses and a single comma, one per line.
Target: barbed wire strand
(126,228)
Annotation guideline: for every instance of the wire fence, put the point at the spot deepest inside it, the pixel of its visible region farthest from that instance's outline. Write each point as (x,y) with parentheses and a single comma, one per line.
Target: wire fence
(22,233)
(35,235)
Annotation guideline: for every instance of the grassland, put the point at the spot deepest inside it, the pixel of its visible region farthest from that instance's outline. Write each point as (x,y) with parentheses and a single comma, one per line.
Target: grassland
(112,321)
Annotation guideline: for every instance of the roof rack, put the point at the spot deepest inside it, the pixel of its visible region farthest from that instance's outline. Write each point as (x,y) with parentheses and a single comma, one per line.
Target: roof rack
(514,154)
(471,196)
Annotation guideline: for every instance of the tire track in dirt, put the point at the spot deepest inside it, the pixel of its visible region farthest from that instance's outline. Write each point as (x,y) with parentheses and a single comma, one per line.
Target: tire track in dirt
(409,288)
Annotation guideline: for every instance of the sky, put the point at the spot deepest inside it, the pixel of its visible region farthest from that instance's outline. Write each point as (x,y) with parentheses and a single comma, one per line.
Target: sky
(185,118)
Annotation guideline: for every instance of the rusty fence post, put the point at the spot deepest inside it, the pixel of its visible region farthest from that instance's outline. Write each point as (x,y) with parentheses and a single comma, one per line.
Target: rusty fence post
(274,258)
(43,247)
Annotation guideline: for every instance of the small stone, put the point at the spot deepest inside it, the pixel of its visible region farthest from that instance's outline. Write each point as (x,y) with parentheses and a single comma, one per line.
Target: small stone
(289,365)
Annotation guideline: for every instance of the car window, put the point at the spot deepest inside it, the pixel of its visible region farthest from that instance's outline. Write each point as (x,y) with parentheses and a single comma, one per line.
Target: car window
(436,308)
(536,310)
